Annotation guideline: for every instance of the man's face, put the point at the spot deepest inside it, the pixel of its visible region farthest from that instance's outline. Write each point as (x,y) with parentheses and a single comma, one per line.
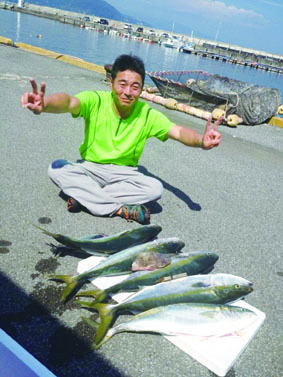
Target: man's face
(126,88)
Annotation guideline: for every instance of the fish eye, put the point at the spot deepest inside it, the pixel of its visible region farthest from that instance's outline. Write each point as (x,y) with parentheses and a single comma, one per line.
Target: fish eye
(237,286)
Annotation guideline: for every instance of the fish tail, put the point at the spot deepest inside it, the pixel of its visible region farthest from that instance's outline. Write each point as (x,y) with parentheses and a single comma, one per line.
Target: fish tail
(96,346)
(58,237)
(94,325)
(44,230)
(73,285)
(106,315)
(110,333)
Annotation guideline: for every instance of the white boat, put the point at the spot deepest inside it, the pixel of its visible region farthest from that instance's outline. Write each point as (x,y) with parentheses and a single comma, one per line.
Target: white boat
(172,42)
(168,43)
(187,47)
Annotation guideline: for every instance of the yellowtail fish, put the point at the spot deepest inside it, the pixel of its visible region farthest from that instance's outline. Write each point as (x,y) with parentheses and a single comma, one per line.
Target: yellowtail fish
(198,320)
(95,245)
(191,264)
(211,288)
(119,263)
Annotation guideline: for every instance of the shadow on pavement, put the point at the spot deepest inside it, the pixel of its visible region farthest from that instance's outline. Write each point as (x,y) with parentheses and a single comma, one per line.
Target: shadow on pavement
(64,351)
(177,192)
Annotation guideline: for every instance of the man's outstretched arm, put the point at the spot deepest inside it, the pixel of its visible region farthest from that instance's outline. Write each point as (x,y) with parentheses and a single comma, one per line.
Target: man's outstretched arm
(210,139)
(57,103)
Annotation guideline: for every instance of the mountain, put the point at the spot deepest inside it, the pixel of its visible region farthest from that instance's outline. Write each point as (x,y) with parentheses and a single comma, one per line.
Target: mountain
(99,8)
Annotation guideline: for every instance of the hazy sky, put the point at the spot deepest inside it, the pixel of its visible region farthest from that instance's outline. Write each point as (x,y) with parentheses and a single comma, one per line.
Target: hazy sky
(249,23)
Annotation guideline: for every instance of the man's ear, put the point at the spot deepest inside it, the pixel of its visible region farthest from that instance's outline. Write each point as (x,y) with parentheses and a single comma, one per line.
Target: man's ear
(111,82)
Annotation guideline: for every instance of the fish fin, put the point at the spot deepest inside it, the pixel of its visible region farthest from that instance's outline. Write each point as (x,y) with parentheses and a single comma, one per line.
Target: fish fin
(61,278)
(106,316)
(164,265)
(91,322)
(164,279)
(93,237)
(72,287)
(57,251)
(207,270)
(85,304)
(92,293)
(201,285)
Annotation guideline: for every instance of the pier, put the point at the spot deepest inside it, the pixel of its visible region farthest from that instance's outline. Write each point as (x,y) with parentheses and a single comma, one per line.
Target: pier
(246,60)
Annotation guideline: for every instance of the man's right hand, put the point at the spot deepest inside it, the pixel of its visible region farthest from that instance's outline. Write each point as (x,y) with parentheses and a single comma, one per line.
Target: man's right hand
(34,101)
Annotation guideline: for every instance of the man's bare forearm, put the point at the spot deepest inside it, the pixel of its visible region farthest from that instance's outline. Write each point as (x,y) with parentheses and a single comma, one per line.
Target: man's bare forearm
(61,103)
(186,136)
(191,138)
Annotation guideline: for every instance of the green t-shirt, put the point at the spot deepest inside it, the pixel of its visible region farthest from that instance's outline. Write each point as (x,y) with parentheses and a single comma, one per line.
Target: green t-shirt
(111,140)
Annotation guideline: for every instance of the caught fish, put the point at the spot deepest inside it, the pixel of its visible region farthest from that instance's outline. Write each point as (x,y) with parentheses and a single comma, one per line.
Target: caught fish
(201,320)
(119,263)
(190,264)
(212,289)
(95,245)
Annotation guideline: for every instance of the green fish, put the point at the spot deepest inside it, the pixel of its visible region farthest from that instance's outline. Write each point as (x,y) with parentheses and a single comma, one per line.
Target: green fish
(191,264)
(212,289)
(199,320)
(119,263)
(95,245)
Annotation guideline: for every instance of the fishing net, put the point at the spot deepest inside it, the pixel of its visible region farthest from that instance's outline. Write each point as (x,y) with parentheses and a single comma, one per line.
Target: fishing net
(253,103)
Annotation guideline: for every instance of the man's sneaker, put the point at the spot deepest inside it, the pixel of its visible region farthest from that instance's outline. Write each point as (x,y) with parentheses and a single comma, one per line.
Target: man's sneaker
(73,205)
(138,213)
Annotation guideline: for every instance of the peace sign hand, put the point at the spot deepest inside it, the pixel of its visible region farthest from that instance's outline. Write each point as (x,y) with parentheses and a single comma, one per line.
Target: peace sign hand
(34,101)
(211,137)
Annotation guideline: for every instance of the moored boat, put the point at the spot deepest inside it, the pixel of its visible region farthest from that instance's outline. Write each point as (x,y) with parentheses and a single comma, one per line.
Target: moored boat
(252,103)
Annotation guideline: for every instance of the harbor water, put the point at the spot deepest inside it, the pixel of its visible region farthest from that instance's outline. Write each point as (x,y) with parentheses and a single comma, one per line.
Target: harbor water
(101,48)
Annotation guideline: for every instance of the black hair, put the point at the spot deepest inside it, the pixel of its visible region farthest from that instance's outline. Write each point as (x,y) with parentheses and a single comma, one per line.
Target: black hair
(130,62)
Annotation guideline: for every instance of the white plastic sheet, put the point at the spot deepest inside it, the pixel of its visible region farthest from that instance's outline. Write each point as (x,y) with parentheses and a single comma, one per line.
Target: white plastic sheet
(216,354)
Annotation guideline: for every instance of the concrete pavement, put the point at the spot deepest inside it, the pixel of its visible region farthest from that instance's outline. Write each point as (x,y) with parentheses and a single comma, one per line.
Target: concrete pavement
(228,200)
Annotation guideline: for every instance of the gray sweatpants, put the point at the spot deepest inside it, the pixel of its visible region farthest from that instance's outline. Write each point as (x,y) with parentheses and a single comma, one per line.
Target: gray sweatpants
(103,189)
